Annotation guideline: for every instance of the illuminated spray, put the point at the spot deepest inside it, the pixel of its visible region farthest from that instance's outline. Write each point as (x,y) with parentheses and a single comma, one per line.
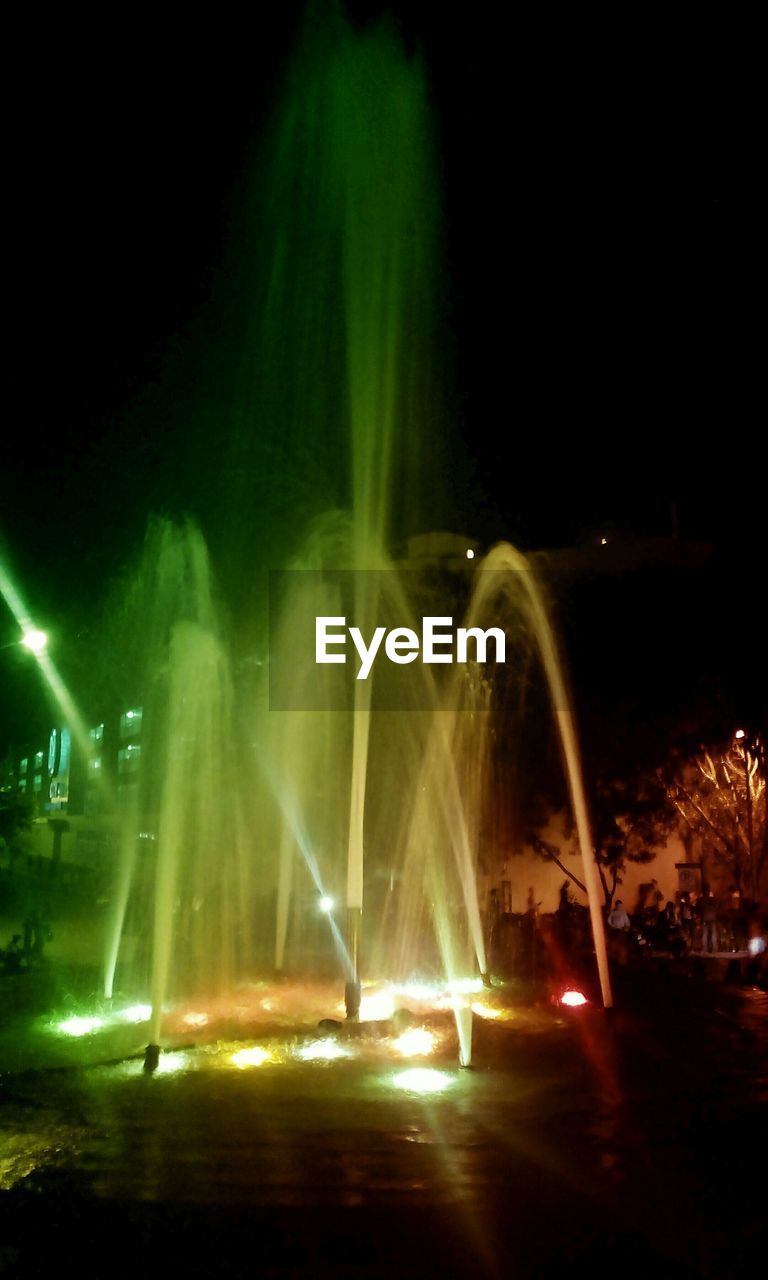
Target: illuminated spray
(405,793)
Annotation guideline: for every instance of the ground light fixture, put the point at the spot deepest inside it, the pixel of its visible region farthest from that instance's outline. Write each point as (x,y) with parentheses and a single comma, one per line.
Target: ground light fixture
(254,1056)
(151,1058)
(422,1080)
(80,1026)
(573,999)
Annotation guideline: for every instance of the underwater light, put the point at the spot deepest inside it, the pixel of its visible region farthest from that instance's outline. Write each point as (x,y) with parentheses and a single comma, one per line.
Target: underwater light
(255,1057)
(466,986)
(79,1026)
(135,1013)
(169,1064)
(377,1006)
(470,553)
(321,1051)
(573,999)
(418,990)
(422,1080)
(416,1042)
(195,1019)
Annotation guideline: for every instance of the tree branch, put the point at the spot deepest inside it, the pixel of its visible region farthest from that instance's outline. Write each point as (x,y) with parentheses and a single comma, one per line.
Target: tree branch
(547,851)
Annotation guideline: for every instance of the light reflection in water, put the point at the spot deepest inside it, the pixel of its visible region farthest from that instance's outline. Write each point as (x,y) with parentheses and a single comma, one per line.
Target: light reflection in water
(422,1080)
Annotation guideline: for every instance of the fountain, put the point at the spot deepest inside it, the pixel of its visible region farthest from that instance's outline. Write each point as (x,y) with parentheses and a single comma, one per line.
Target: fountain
(257,798)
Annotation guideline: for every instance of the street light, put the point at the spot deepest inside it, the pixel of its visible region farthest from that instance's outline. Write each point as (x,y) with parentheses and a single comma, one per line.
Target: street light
(34,640)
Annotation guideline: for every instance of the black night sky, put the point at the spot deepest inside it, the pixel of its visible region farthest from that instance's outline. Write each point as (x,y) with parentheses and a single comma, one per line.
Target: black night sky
(602,281)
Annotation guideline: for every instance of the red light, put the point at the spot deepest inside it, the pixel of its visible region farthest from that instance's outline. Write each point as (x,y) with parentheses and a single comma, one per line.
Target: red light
(573,999)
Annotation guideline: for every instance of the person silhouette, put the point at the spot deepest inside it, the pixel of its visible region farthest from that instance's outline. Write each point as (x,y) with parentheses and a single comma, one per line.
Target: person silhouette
(618,918)
(565,897)
(709,920)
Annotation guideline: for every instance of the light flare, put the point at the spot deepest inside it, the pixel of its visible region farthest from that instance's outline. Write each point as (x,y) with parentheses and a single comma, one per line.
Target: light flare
(195,1019)
(465,986)
(79,1026)
(377,1006)
(486,1010)
(34,640)
(418,1042)
(254,1057)
(573,999)
(322,1051)
(170,1064)
(418,990)
(135,1013)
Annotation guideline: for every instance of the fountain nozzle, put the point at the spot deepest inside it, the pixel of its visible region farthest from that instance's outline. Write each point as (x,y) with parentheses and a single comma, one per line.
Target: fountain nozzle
(352,997)
(151,1057)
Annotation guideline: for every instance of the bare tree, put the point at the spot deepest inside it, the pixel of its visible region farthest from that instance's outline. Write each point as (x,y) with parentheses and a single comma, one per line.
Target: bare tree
(721,797)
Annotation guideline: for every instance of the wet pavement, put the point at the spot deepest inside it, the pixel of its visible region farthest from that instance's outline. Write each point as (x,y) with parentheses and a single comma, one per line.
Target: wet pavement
(630,1142)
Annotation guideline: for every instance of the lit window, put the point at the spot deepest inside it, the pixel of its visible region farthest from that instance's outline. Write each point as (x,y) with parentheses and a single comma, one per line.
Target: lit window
(95,764)
(23,766)
(97,733)
(22,784)
(39,759)
(130,723)
(66,743)
(128,759)
(37,783)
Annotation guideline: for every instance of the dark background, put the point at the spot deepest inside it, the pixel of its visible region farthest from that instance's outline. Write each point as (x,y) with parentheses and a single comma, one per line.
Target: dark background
(602,268)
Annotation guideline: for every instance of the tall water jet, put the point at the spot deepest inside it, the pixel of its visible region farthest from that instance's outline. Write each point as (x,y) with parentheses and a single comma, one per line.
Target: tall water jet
(506,572)
(185,890)
(354,172)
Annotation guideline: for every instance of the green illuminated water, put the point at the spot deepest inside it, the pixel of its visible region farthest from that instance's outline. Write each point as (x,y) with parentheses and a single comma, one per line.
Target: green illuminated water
(241,816)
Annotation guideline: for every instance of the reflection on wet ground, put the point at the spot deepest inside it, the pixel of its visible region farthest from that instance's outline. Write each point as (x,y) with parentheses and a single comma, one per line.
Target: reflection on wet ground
(625,1140)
